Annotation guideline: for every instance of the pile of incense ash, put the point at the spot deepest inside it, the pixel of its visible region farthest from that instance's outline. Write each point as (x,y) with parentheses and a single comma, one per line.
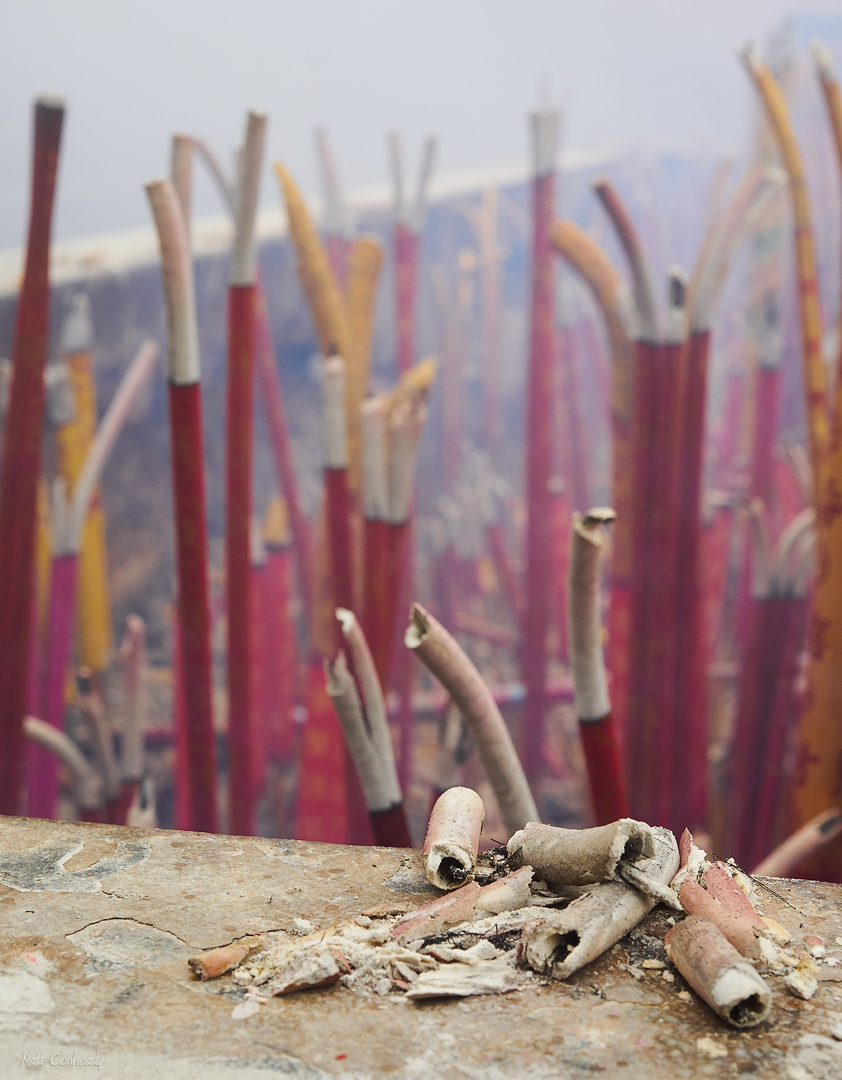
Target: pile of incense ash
(547,904)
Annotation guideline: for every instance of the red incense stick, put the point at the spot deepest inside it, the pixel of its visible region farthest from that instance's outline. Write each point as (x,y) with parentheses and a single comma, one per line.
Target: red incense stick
(197,767)
(539,439)
(593,707)
(279,652)
(238,483)
(21,457)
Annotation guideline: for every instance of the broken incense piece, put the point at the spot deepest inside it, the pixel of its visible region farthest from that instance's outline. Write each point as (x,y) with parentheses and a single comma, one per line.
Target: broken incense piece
(215,962)
(717,972)
(446,659)
(581,856)
(507,893)
(452,841)
(558,943)
(448,910)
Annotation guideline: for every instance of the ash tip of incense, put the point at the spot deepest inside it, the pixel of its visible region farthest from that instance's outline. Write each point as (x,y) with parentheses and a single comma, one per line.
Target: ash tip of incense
(600,183)
(823,59)
(259,116)
(418,628)
(750,55)
(50,101)
(346,619)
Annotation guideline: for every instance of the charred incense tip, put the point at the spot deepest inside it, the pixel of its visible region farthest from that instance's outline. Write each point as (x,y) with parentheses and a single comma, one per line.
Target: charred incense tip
(418,629)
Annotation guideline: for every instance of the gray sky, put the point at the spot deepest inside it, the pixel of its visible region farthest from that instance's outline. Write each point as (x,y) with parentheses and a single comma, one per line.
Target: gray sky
(649,74)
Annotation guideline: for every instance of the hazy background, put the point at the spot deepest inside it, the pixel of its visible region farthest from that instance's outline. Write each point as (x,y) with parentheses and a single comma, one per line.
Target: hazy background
(655,75)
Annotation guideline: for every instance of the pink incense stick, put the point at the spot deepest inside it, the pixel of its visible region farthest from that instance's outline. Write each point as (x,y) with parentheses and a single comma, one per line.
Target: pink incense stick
(238,482)
(21,455)
(197,774)
(539,439)
(260,721)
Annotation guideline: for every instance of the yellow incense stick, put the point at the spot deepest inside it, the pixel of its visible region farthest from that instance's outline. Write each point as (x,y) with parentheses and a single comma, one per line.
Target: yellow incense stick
(364,264)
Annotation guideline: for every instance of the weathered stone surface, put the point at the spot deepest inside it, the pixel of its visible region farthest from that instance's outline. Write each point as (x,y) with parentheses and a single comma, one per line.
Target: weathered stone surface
(105,961)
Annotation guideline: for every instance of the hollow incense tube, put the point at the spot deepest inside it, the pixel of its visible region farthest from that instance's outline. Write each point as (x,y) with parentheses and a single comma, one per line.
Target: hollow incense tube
(729,984)
(614,302)
(273,403)
(21,455)
(819,743)
(238,483)
(73,440)
(444,657)
(279,661)
(452,841)
(68,521)
(539,439)
(833,101)
(593,707)
(197,768)
(336,221)
(369,738)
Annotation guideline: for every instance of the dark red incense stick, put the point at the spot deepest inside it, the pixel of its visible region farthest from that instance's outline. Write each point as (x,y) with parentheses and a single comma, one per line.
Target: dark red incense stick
(539,439)
(238,483)
(21,465)
(197,766)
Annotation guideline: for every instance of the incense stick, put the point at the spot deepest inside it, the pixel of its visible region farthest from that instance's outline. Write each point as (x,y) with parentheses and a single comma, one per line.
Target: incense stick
(544,130)
(197,766)
(445,658)
(21,454)
(238,482)
(593,707)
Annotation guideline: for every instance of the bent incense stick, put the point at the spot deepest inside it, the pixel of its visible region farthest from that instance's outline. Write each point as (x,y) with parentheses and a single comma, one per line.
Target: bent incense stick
(717,972)
(238,481)
(444,657)
(362,714)
(804,843)
(85,780)
(197,768)
(452,841)
(21,454)
(544,132)
(593,707)
(73,440)
(559,943)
